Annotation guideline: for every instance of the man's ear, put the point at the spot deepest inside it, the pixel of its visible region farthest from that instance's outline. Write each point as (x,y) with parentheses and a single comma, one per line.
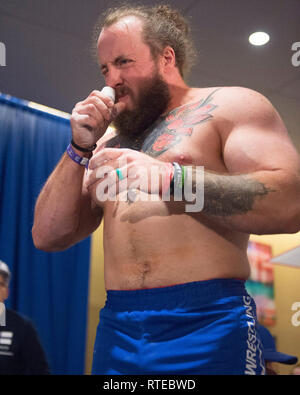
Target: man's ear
(168,57)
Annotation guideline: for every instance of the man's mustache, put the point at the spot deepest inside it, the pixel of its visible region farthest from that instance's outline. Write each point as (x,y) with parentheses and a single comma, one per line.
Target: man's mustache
(123,91)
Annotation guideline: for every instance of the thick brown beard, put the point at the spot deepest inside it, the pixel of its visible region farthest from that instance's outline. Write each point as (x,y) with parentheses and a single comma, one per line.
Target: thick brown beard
(153,102)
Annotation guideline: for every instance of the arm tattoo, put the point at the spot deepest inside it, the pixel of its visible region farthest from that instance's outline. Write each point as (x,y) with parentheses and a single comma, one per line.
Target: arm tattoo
(227,195)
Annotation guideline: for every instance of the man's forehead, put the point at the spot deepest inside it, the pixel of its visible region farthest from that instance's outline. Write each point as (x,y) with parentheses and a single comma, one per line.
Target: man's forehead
(129,23)
(126,27)
(122,39)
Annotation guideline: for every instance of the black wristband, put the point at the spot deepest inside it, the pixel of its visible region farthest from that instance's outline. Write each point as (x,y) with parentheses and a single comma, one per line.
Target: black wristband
(172,186)
(83,149)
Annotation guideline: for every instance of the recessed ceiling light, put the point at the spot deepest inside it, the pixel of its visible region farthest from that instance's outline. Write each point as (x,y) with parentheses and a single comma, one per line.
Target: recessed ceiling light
(259,38)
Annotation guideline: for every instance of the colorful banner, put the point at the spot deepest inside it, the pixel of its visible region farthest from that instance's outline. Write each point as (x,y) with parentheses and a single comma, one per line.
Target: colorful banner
(261,282)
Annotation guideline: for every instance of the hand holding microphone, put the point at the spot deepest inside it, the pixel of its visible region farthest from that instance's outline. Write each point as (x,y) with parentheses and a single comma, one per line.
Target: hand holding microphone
(91,117)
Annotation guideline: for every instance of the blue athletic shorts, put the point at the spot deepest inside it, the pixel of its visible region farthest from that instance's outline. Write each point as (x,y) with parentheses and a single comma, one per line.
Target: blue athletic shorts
(205,327)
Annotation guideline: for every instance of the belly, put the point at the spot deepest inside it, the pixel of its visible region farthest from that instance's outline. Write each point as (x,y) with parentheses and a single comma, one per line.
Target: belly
(152,244)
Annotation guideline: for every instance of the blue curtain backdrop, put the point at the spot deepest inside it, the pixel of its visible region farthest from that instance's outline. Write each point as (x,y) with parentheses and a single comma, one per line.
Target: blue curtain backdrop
(49,288)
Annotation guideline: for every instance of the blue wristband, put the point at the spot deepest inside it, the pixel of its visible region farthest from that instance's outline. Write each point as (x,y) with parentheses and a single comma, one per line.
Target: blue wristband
(76,158)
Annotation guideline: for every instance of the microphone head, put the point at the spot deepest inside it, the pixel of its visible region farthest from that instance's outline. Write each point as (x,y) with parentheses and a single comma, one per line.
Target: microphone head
(109,92)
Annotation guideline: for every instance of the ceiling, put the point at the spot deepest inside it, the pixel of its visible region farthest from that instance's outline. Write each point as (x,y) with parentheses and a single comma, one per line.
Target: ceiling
(48,44)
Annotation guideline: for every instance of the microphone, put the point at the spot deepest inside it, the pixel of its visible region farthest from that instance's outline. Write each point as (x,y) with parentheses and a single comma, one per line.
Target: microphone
(109,92)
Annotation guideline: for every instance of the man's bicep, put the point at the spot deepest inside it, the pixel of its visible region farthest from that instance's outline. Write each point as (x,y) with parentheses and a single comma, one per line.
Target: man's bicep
(261,142)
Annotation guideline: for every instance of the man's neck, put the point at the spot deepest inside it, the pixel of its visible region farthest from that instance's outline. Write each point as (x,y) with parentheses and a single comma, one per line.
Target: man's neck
(180,95)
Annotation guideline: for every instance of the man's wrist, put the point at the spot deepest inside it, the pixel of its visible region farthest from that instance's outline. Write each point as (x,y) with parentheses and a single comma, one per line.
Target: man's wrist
(167,178)
(83,149)
(174,178)
(178,180)
(87,155)
(78,157)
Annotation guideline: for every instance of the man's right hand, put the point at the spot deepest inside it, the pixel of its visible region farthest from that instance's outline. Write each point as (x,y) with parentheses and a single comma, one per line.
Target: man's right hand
(91,117)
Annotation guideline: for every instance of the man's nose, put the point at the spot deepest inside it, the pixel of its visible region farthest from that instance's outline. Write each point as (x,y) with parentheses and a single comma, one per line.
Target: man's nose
(113,77)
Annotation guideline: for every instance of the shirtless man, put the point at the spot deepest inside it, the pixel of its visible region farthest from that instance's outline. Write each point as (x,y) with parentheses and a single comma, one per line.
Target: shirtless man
(176,301)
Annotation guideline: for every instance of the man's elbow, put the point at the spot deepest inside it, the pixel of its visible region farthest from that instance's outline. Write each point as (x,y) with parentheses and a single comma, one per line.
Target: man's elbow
(286,212)
(42,242)
(282,221)
(288,218)
(292,224)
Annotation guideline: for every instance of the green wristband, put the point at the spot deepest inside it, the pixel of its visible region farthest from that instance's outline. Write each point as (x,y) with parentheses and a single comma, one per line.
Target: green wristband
(183,175)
